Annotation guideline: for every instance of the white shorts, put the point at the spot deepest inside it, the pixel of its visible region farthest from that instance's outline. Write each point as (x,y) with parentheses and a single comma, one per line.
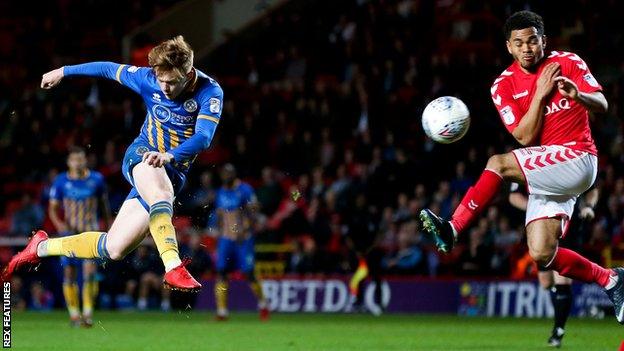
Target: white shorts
(555,176)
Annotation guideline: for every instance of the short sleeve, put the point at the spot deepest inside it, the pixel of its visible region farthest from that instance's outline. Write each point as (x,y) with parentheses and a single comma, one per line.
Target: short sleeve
(56,190)
(508,110)
(580,74)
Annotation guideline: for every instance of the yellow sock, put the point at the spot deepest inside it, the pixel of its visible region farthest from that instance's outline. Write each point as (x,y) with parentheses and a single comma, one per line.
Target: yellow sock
(221,290)
(164,234)
(70,291)
(83,245)
(360,274)
(256,287)
(89,294)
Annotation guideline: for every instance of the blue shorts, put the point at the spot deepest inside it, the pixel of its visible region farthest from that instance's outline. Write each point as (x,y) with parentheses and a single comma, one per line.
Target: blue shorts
(71,261)
(235,255)
(134,156)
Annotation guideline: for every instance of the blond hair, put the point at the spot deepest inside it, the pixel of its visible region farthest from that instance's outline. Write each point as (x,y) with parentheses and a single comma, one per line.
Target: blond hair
(172,55)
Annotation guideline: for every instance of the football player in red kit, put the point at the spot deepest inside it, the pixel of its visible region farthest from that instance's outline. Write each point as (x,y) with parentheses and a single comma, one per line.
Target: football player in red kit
(543,100)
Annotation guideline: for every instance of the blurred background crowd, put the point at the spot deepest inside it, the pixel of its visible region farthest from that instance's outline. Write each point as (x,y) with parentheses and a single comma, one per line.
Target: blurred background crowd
(321,117)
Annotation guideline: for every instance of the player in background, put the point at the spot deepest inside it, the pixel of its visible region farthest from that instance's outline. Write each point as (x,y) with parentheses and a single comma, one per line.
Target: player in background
(78,192)
(183,110)
(559,286)
(362,237)
(544,101)
(235,206)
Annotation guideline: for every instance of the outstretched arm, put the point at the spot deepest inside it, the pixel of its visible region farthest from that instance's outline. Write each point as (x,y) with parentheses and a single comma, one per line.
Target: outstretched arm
(129,76)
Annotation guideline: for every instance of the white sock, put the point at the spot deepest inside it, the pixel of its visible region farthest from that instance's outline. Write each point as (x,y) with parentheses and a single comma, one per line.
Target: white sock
(222,312)
(172,264)
(42,249)
(142,303)
(454,231)
(613,279)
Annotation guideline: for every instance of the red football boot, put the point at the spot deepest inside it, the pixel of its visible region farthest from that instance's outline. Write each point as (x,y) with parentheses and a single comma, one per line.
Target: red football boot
(264,314)
(221,317)
(26,257)
(180,279)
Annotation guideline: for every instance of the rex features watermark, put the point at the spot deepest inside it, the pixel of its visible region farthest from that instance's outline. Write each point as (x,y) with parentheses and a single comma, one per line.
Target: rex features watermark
(6,316)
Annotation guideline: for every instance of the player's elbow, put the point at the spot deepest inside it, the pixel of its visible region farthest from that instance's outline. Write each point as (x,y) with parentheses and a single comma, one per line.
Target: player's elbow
(603,106)
(206,140)
(523,139)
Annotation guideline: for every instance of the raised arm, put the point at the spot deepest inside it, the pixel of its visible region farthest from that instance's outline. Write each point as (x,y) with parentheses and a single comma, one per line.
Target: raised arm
(130,76)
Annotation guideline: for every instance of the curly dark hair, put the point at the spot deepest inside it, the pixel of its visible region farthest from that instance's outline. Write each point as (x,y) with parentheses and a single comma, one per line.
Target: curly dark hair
(521,20)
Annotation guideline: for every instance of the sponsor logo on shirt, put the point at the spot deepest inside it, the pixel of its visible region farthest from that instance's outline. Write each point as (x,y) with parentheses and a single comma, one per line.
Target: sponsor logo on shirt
(520,95)
(215,105)
(156,97)
(133,69)
(557,106)
(164,114)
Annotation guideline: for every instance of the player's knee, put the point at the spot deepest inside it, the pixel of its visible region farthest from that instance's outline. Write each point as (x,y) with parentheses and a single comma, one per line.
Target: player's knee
(116,253)
(163,195)
(496,163)
(541,254)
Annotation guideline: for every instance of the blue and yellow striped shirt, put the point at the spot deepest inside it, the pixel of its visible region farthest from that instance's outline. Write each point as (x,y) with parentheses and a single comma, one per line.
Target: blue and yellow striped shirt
(79,198)
(183,126)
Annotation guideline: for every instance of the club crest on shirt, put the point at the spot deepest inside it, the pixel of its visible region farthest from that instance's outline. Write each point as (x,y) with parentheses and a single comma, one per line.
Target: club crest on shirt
(190,105)
(141,150)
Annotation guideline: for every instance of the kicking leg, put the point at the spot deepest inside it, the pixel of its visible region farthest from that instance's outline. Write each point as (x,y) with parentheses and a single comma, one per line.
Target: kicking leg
(498,168)
(128,230)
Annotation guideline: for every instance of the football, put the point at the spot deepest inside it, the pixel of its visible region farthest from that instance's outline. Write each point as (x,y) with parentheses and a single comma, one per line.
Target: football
(446,119)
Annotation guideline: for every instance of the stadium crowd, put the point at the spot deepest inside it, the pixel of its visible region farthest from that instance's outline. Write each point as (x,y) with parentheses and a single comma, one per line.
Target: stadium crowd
(323,123)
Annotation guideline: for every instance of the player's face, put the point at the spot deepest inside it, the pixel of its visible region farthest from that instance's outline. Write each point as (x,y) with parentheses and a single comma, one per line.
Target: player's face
(228,176)
(526,46)
(171,83)
(77,162)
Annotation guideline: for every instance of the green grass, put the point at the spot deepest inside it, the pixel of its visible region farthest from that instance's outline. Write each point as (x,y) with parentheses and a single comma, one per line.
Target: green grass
(197,331)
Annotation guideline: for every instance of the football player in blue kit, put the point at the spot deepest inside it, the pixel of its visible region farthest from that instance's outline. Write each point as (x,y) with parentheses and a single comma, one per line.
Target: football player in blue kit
(183,110)
(81,194)
(235,205)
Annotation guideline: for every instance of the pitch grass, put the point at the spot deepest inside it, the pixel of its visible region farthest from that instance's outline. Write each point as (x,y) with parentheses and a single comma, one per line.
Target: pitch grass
(182,331)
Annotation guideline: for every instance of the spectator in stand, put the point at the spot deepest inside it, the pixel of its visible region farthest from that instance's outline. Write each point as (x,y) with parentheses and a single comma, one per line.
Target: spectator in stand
(28,217)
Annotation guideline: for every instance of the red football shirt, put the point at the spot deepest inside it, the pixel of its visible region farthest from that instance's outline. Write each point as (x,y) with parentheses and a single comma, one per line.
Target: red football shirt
(566,122)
